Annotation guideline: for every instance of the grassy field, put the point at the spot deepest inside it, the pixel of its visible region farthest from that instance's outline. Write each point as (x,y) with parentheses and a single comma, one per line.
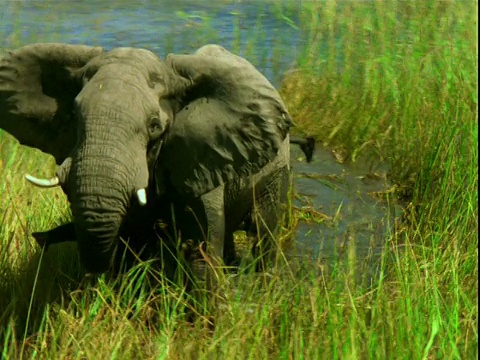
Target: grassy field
(396,80)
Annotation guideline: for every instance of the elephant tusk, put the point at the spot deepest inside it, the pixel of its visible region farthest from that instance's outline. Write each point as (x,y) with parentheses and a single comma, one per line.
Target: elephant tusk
(43,183)
(142,197)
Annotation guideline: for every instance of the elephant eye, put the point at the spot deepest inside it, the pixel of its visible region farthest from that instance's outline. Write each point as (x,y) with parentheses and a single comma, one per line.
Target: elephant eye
(155,128)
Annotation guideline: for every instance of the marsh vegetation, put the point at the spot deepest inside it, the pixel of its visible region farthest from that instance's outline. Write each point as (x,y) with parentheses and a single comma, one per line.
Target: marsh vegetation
(395,81)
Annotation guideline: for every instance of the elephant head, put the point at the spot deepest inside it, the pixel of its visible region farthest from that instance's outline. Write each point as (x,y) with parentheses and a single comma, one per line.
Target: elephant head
(98,113)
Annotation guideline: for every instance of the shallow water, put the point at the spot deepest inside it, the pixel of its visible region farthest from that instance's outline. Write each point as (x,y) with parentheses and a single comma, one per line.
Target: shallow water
(355,217)
(271,37)
(261,32)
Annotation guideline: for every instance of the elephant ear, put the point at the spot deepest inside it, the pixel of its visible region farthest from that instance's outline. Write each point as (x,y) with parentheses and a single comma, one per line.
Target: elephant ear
(38,84)
(233,121)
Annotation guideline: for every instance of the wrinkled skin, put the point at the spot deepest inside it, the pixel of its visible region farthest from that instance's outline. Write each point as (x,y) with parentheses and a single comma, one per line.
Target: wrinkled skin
(97,113)
(231,137)
(222,165)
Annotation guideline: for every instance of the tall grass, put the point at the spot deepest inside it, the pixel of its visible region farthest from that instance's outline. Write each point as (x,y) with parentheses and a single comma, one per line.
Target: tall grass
(399,80)
(396,80)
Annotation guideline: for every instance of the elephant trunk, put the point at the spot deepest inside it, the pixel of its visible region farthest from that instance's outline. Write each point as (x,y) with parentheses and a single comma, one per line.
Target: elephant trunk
(104,175)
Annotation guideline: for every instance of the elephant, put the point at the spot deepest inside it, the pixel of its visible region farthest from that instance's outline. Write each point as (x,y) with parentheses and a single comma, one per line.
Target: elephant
(96,112)
(200,141)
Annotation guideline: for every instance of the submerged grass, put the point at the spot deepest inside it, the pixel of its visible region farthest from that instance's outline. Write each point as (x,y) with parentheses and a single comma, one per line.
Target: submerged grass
(396,80)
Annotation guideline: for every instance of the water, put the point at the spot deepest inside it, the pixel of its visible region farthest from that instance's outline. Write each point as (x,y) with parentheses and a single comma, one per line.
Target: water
(261,32)
(357,217)
(271,37)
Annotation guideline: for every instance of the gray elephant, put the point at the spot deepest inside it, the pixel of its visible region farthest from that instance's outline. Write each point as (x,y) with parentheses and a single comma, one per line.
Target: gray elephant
(96,112)
(206,135)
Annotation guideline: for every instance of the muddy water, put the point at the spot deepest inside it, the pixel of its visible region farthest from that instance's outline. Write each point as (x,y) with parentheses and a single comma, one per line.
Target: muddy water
(350,216)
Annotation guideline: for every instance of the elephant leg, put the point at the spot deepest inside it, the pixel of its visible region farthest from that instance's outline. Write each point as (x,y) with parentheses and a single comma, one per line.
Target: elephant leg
(177,230)
(262,228)
(267,216)
(214,206)
(191,221)
(229,253)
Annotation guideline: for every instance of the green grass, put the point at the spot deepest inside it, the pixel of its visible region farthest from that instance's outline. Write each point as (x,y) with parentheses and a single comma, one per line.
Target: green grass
(396,80)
